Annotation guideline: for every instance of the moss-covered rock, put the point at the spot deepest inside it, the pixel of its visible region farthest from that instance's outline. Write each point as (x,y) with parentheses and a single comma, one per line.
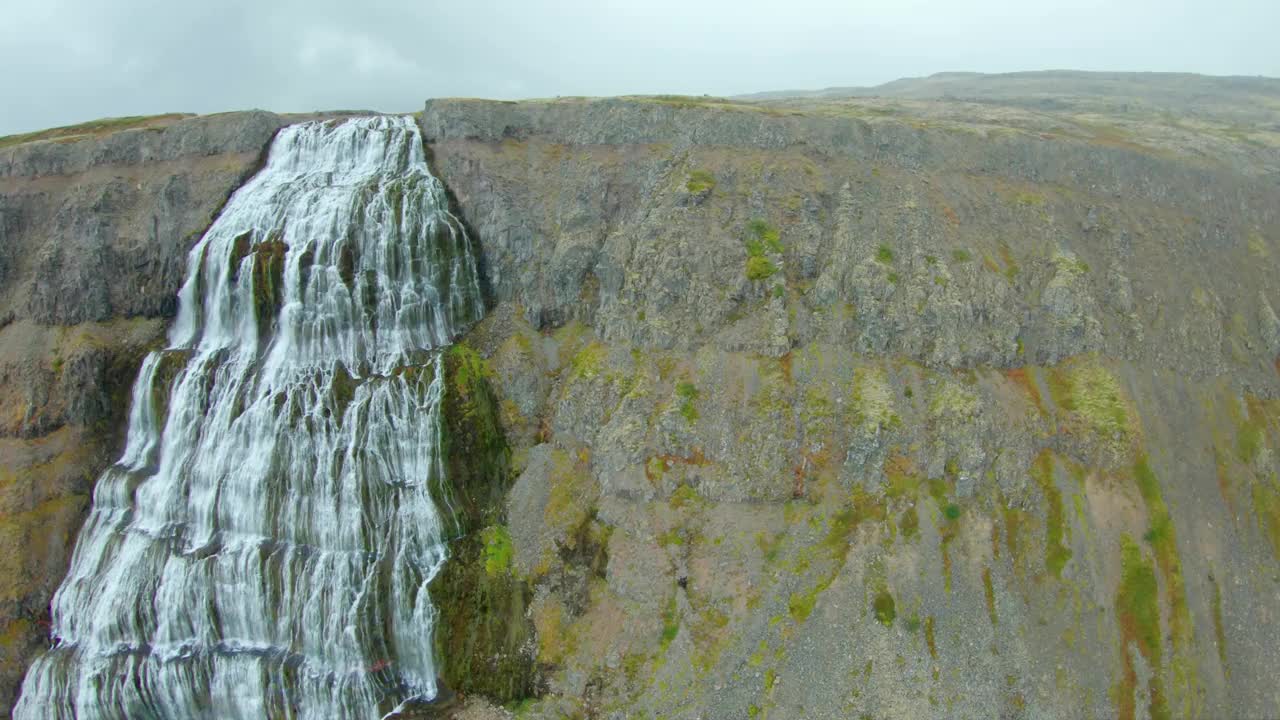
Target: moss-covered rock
(483,634)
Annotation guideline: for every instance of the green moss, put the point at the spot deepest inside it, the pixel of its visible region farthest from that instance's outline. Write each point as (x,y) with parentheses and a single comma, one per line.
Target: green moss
(951,511)
(268,282)
(670,624)
(688,395)
(1138,613)
(961,255)
(909,523)
(1089,390)
(930,637)
(342,390)
(483,625)
(1163,539)
(700,181)
(685,496)
(884,608)
(872,399)
(989,590)
(1249,441)
(674,536)
(588,362)
(801,605)
(497,549)
(1029,199)
(952,401)
(884,254)
(1266,504)
(760,268)
(1219,634)
(1057,554)
(762,236)
(477,457)
(770,547)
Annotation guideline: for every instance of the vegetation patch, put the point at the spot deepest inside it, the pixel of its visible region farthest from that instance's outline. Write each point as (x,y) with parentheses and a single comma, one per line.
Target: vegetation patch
(1266,503)
(1093,394)
(990,592)
(960,255)
(884,608)
(909,523)
(1138,613)
(1250,440)
(1057,554)
(268,282)
(884,254)
(497,549)
(872,400)
(930,637)
(688,395)
(953,402)
(1164,541)
(700,181)
(760,268)
(588,362)
(762,236)
(1218,633)
(93,128)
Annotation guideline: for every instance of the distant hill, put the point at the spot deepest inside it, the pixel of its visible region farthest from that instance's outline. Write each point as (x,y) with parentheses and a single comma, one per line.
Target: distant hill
(1251,100)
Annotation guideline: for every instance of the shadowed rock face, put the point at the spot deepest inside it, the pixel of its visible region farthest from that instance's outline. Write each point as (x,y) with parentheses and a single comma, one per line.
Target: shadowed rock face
(94,234)
(882,408)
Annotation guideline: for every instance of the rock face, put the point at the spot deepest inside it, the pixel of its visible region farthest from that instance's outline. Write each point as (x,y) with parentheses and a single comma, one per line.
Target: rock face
(814,407)
(880,408)
(94,234)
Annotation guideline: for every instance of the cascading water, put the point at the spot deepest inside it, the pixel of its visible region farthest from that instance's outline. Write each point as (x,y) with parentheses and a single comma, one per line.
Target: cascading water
(263,546)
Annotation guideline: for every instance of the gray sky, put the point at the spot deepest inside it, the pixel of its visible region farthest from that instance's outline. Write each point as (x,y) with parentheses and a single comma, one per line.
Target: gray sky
(66,61)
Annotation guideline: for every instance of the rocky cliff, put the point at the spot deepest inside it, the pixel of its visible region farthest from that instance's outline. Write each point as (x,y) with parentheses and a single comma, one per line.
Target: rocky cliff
(876,407)
(882,408)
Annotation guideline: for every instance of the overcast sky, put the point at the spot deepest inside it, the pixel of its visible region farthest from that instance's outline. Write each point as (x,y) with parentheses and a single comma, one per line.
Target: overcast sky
(66,61)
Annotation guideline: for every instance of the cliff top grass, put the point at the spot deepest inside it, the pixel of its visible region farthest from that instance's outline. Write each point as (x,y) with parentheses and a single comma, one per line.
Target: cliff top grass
(93,128)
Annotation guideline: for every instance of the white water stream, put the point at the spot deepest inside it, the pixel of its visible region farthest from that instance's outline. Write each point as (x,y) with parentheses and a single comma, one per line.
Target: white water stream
(263,546)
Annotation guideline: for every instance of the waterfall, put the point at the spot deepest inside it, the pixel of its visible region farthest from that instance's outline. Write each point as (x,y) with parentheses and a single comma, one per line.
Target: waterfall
(263,546)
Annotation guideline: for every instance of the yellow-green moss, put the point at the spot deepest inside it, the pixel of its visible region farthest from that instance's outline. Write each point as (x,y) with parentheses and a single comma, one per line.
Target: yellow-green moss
(1219,634)
(688,395)
(1089,390)
(497,549)
(1057,554)
(588,362)
(1164,541)
(700,181)
(761,236)
(872,403)
(884,608)
(760,268)
(1266,503)
(952,401)
(990,592)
